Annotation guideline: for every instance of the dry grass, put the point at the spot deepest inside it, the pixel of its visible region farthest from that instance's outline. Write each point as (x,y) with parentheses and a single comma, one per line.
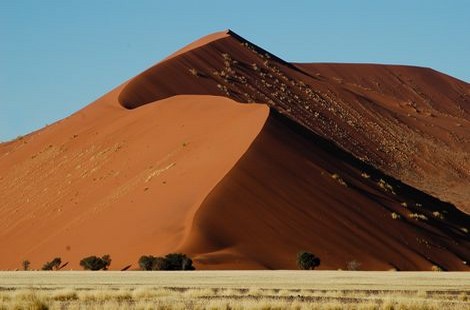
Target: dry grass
(234,290)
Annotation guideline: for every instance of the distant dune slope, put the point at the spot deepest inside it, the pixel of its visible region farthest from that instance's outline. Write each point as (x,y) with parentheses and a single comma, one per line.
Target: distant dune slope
(165,163)
(294,191)
(413,123)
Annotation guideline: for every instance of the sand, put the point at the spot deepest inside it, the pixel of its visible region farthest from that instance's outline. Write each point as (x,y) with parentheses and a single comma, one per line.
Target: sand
(240,159)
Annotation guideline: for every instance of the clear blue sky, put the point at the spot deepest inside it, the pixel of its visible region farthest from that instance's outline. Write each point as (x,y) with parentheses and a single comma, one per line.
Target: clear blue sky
(58,56)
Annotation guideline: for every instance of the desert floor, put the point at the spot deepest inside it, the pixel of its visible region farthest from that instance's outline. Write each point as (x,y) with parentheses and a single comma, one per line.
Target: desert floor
(234,290)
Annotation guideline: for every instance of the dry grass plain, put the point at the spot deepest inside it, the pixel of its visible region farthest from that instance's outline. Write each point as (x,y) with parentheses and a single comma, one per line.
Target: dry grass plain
(234,290)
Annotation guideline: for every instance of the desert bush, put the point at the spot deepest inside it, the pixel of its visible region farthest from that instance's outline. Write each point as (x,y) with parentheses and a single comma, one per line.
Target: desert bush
(353,265)
(307,260)
(25,264)
(160,264)
(53,264)
(172,261)
(418,216)
(153,263)
(339,179)
(436,268)
(193,71)
(146,262)
(438,215)
(179,261)
(96,263)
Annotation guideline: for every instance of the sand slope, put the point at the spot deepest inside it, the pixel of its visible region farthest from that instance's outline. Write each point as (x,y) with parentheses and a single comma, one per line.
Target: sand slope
(126,183)
(165,163)
(397,118)
(292,190)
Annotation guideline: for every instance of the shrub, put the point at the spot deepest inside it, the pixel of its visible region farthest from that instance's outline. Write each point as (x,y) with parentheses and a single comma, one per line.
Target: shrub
(353,265)
(178,261)
(418,216)
(194,72)
(52,265)
(160,263)
(172,261)
(307,260)
(339,179)
(146,262)
(436,268)
(26,264)
(96,263)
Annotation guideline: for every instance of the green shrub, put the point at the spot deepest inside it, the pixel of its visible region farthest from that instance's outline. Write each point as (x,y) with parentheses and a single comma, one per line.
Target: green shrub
(96,263)
(307,260)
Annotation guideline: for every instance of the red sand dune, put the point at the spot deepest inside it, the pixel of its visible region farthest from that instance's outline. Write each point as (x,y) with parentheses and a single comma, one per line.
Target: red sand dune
(341,160)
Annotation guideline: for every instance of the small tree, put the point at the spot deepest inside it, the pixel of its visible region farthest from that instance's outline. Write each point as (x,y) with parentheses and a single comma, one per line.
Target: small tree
(96,263)
(172,261)
(52,265)
(179,261)
(307,260)
(147,262)
(26,264)
(107,261)
(161,263)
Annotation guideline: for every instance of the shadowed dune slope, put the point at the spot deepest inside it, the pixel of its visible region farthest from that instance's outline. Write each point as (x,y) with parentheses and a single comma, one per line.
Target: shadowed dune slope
(412,123)
(295,191)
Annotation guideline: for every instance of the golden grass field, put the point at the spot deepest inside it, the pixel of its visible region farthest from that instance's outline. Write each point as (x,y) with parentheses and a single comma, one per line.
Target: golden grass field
(234,290)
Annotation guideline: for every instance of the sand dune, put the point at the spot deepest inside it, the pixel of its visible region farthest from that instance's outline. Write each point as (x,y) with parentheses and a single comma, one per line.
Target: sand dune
(126,185)
(344,165)
(413,123)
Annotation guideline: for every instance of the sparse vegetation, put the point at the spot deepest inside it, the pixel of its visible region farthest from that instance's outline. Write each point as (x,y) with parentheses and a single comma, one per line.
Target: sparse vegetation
(146,262)
(53,264)
(193,71)
(336,177)
(385,186)
(307,261)
(353,265)
(418,216)
(438,215)
(25,264)
(236,290)
(96,263)
(172,261)
(395,216)
(179,261)
(436,268)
